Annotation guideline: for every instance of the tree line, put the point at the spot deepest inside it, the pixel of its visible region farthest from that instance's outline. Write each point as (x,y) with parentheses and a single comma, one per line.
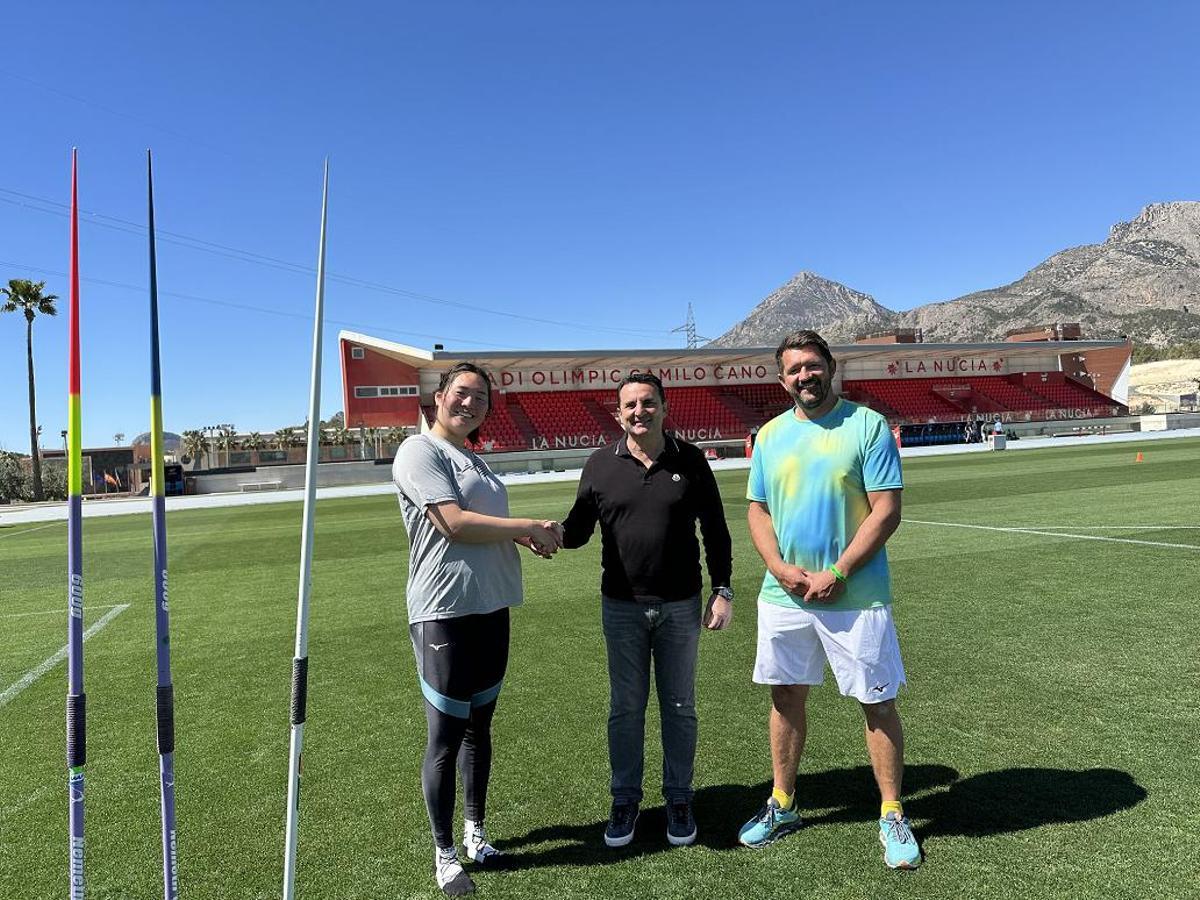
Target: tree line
(1143,353)
(196,444)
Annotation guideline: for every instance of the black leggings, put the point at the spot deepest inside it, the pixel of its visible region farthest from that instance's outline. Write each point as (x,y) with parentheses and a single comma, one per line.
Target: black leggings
(461,663)
(469,742)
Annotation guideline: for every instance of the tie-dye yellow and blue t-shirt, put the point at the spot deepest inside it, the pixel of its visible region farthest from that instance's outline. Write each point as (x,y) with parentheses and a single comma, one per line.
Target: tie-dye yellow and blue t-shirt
(814,477)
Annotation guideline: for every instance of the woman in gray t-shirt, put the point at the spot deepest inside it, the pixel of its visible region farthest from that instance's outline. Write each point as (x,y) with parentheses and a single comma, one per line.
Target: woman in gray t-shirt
(463,575)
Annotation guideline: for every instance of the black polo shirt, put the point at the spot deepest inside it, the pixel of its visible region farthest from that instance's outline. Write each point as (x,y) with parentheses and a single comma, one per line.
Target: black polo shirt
(649,550)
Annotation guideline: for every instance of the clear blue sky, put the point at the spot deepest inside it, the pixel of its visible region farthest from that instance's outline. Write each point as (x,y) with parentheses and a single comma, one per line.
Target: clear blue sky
(595,165)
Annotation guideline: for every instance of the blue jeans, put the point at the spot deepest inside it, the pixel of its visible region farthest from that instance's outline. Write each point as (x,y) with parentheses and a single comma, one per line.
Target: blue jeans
(635,633)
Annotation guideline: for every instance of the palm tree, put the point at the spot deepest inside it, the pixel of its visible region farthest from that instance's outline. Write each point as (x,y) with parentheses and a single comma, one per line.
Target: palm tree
(118,437)
(226,436)
(394,436)
(254,441)
(195,446)
(26,296)
(338,435)
(285,437)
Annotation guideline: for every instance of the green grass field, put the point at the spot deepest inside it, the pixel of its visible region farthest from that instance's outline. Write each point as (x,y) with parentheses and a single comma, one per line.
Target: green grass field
(1050,715)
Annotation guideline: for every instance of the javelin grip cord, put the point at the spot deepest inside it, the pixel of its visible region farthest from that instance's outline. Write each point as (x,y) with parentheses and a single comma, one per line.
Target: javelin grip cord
(299,689)
(166,718)
(76,730)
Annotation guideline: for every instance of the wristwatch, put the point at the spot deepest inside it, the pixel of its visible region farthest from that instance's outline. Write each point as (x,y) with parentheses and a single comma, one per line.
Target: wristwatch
(725,592)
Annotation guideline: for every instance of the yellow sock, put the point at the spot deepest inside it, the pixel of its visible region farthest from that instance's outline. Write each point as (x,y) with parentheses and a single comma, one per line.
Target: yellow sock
(785,801)
(891,806)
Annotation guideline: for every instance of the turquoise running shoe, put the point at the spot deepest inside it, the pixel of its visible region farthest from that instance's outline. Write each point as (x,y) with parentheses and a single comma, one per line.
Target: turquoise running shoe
(769,825)
(900,848)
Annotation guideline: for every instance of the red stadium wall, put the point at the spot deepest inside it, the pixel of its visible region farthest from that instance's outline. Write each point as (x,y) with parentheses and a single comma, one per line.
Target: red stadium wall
(377,369)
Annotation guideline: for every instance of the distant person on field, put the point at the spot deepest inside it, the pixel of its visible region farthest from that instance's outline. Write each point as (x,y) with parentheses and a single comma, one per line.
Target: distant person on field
(463,575)
(824,494)
(648,491)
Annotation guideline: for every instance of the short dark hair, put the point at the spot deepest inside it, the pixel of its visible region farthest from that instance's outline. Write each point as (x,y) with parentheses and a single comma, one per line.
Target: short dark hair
(643,378)
(461,368)
(797,340)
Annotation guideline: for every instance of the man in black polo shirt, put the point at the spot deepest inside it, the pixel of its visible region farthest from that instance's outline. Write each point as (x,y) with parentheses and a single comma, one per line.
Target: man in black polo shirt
(647,492)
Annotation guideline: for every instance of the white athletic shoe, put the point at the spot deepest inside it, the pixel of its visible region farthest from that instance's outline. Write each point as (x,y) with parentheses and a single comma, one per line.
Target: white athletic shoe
(475,842)
(449,872)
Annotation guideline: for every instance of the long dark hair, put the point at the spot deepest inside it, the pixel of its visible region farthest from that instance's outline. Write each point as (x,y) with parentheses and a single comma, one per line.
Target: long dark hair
(459,368)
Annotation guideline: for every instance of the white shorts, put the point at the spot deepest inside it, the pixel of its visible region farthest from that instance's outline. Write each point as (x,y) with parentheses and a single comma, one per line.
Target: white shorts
(859,644)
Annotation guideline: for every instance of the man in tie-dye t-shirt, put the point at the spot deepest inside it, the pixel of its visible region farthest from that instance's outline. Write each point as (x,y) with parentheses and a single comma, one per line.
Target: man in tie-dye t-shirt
(824,496)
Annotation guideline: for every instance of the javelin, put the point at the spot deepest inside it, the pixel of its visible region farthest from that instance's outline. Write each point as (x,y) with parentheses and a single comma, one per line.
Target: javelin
(300,660)
(162,632)
(76,709)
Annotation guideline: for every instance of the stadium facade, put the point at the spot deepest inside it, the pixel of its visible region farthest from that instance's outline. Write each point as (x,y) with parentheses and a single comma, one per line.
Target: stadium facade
(565,399)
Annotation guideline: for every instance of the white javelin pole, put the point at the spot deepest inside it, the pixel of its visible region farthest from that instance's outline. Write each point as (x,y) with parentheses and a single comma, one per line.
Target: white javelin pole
(300,661)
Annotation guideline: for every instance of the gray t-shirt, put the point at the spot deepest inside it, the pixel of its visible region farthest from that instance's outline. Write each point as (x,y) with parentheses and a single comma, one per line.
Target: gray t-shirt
(447,579)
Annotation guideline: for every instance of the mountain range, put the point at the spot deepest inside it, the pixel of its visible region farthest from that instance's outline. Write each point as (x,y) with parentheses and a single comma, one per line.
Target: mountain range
(1143,281)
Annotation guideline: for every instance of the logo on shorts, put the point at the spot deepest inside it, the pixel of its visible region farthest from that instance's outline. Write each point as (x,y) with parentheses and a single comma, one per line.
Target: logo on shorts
(880,688)
(436,647)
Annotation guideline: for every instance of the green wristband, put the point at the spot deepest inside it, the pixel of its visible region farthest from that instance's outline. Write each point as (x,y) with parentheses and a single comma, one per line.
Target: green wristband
(837,573)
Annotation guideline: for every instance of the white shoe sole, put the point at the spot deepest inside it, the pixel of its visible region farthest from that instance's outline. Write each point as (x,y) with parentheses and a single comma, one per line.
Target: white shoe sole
(622,841)
(684,841)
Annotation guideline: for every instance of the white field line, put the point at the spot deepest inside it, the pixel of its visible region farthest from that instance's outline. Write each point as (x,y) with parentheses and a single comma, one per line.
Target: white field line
(1118,527)
(47,664)
(1059,534)
(51,612)
(5,534)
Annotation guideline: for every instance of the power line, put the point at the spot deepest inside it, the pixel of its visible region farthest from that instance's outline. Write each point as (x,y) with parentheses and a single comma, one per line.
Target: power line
(190,139)
(230,304)
(123,225)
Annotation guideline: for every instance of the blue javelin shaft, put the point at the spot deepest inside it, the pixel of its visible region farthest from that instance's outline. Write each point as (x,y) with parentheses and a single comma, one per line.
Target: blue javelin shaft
(166,692)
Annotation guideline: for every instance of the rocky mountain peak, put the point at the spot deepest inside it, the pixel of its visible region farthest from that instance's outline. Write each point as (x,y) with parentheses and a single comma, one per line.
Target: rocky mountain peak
(1173,223)
(807,301)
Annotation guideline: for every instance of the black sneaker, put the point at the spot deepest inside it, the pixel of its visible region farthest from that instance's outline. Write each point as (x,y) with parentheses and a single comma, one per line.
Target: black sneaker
(681,824)
(621,822)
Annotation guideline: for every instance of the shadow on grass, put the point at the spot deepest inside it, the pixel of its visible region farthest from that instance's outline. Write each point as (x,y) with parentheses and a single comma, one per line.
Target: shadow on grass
(990,803)
(1021,798)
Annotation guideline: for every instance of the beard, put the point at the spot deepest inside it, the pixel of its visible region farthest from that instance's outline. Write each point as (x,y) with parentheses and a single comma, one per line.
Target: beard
(818,391)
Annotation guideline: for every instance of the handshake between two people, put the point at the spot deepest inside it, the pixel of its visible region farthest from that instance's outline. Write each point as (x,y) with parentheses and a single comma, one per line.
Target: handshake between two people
(543,538)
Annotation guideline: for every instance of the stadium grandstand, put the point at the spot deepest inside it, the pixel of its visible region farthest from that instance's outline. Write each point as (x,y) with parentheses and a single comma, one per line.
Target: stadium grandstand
(566,399)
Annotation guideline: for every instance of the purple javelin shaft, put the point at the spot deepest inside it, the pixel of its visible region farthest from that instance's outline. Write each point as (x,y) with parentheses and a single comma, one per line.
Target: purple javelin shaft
(166,703)
(76,752)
